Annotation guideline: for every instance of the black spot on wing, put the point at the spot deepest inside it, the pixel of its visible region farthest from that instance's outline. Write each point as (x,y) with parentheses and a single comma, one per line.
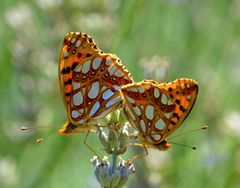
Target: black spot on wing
(69,81)
(74,65)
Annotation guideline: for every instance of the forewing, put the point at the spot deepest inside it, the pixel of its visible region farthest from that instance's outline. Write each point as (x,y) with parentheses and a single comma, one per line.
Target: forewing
(76,48)
(183,92)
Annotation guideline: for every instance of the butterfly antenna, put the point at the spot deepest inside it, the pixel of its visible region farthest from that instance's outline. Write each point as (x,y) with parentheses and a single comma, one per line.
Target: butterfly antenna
(183,145)
(39,140)
(37,127)
(198,129)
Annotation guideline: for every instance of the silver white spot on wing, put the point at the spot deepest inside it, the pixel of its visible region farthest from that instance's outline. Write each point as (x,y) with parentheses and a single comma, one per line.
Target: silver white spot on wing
(108,62)
(141,89)
(78,43)
(130,99)
(81,111)
(112,69)
(94,90)
(107,94)
(149,112)
(143,125)
(137,110)
(103,114)
(117,88)
(156,92)
(96,63)
(170,102)
(76,85)
(77,98)
(160,124)
(164,98)
(133,89)
(66,54)
(156,136)
(119,73)
(94,109)
(112,102)
(168,115)
(73,40)
(147,86)
(86,66)
(75,114)
(78,69)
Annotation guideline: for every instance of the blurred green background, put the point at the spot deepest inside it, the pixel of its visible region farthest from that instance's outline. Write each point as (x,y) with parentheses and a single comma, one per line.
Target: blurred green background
(200,39)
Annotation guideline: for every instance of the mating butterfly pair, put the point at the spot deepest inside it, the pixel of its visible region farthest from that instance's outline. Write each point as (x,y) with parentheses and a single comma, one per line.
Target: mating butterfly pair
(94,83)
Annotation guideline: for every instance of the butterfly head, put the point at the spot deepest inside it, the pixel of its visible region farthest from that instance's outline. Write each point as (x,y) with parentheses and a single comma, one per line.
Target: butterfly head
(68,128)
(162,146)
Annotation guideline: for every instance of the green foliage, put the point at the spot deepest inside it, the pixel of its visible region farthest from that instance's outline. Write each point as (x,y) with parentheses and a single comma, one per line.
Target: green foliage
(202,41)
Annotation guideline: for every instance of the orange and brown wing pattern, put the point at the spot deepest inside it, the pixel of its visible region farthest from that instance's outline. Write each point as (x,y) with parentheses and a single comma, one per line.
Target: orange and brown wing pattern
(149,109)
(156,110)
(96,88)
(76,48)
(184,94)
(90,81)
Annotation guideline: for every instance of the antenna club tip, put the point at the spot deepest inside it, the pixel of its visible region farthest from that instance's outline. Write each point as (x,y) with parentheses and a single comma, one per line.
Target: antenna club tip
(39,140)
(23,128)
(205,127)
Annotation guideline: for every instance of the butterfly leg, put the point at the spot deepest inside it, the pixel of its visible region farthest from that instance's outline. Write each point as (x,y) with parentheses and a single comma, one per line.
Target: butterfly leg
(86,144)
(139,155)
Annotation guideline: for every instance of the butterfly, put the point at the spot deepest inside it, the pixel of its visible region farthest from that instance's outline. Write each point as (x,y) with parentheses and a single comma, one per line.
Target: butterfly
(90,82)
(157,110)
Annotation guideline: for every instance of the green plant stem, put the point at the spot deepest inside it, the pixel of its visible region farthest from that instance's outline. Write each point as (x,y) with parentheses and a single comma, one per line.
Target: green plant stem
(114,163)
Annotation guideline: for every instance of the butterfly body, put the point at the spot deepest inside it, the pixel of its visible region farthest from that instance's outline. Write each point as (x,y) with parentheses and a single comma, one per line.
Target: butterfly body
(156,110)
(90,82)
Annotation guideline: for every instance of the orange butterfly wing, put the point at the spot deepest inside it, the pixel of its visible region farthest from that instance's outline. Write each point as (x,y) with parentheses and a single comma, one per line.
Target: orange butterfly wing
(90,81)
(156,110)
(184,94)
